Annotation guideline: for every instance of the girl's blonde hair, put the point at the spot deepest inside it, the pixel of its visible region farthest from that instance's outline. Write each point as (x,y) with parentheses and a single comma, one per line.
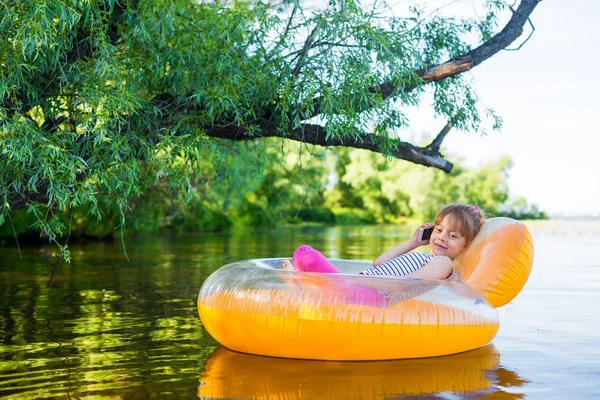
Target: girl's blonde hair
(468,217)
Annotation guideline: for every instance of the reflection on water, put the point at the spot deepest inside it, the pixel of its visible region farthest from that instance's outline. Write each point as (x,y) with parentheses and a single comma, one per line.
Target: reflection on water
(109,328)
(230,375)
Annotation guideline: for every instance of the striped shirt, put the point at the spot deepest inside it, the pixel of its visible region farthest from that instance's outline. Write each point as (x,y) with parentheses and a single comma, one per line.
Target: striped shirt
(404,264)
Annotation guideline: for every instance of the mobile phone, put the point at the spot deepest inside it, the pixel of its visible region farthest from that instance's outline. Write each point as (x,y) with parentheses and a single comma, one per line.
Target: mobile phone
(425,234)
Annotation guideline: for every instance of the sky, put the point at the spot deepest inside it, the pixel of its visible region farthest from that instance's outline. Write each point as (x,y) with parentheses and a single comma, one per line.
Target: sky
(548,95)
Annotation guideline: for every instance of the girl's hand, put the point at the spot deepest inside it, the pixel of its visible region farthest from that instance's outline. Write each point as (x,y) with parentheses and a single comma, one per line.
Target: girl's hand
(415,236)
(287,265)
(404,247)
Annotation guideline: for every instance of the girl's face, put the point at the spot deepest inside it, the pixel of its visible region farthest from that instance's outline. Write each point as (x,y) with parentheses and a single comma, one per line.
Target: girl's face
(446,240)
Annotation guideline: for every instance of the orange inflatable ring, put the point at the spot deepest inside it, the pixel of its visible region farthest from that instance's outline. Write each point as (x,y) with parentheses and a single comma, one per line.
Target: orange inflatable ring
(254,307)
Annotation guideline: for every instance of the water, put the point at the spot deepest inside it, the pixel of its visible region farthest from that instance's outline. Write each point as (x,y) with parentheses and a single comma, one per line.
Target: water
(109,328)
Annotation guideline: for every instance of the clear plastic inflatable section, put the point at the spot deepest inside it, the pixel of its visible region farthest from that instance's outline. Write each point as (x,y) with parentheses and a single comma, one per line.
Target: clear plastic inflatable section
(255,307)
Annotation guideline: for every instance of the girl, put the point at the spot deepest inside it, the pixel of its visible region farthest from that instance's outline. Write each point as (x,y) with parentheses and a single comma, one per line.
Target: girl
(454,228)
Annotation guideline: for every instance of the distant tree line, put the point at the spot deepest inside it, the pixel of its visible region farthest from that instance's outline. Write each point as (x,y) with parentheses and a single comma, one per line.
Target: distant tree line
(279,182)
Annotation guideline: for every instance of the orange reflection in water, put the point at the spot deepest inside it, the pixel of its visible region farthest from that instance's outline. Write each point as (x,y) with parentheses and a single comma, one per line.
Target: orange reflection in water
(232,375)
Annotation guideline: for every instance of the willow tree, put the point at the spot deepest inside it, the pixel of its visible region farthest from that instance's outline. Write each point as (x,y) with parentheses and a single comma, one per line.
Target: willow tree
(107,98)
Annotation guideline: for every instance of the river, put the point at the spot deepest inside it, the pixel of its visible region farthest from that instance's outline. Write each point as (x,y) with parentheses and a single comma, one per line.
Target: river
(112,328)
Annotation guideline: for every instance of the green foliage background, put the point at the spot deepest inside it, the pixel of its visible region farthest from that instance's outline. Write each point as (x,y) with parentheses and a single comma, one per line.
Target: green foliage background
(111,114)
(279,182)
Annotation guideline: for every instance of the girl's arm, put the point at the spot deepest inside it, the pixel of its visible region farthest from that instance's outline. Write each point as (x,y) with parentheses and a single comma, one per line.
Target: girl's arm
(438,268)
(402,248)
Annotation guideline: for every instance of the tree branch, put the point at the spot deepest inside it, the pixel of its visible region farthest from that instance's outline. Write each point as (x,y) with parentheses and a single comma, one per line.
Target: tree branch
(19,200)
(308,44)
(317,135)
(456,65)
(528,37)
(437,142)
(428,156)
